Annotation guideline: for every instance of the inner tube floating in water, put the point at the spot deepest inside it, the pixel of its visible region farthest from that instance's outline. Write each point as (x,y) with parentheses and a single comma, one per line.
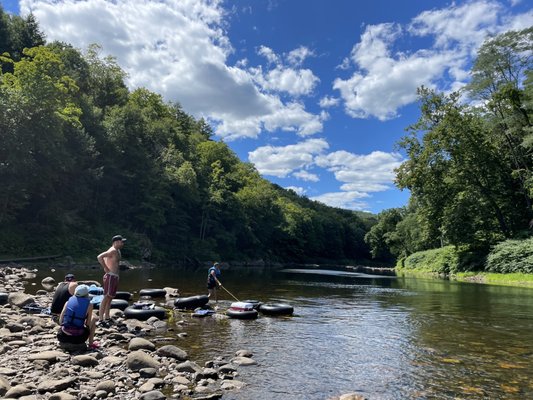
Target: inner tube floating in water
(121,304)
(143,311)
(276,309)
(123,296)
(153,292)
(242,310)
(190,303)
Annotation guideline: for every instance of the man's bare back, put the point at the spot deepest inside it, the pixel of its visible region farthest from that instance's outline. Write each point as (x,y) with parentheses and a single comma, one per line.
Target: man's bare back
(109,260)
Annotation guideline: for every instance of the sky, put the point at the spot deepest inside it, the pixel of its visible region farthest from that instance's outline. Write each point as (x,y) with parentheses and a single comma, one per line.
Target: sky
(315,93)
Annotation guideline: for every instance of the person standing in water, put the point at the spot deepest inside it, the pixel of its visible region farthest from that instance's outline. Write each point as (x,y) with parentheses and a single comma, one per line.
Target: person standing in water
(213,274)
(109,260)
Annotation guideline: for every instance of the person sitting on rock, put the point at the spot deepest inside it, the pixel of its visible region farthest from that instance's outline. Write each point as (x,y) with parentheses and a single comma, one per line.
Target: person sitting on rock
(63,292)
(76,320)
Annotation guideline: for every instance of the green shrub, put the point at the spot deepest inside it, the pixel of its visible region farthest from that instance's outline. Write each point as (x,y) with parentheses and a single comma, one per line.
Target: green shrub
(511,256)
(443,261)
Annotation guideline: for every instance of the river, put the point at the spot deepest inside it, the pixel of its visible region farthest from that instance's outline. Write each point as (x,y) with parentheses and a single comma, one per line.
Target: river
(382,337)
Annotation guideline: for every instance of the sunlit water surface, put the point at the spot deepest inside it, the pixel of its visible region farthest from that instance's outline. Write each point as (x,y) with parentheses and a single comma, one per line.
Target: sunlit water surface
(382,337)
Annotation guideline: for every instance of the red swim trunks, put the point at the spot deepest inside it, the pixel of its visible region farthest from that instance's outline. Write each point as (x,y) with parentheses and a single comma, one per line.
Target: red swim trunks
(110,284)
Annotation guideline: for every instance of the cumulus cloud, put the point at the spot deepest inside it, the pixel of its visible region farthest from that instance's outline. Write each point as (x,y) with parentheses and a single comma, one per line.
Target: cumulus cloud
(299,190)
(346,200)
(365,174)
(179,48)
(384,80)
(329,101)
(306,176)
(281,161)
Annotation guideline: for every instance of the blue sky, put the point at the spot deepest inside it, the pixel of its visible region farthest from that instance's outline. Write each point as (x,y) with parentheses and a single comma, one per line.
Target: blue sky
(315,93)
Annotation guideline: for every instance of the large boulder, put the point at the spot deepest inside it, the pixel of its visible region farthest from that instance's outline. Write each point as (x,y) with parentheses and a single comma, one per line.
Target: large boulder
(138,360)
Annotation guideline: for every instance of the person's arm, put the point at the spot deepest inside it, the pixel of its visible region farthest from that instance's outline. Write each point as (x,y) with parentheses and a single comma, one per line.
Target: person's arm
(214,275)
(72,287)
(89,315)
(102,256)
(62,314)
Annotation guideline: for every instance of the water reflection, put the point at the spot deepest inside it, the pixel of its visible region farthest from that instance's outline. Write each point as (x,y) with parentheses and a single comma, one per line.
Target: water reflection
(383,337)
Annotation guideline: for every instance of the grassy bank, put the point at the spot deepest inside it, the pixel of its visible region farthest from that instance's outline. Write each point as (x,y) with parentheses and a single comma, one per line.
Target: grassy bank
(508,264)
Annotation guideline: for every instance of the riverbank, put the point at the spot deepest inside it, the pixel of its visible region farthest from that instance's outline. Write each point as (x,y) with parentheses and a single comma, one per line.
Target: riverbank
(134,361)
(511,279)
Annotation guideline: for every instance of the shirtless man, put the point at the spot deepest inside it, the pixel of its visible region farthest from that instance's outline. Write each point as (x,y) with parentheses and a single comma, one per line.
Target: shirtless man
(109,260)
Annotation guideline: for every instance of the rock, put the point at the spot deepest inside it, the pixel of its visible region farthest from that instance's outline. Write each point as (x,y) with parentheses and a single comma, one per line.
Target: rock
(108,386)
(351,396)
(138,360)
(244,353)
(172,352)
(153,395)
(48,281)
(84,360)
(245,361)
(14,327)
(55,385)
(20,299)
(62,396)
(188,366)
(148,372)
(227,369)
(232,384)
(50,356)
(4,385)
(140,343)
(18,391)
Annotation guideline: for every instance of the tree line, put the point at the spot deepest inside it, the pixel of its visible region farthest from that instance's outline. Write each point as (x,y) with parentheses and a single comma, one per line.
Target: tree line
(83,158)
(469,164)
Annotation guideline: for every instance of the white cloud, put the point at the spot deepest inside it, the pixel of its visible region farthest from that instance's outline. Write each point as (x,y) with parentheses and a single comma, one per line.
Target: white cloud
(372,172)
(306,176)
(467,25)
(328,101)
(384,80)
(282,161)
(346,200)
(299,190)
(179,48)
(297,56)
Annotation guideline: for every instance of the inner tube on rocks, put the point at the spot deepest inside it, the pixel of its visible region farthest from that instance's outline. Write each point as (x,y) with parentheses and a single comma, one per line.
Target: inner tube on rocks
(3,297)
(123,295)
(153,292)
(276,309)
(241,314)
(190,303)
(35,308)
(96,290)
(143,311)
(255,303)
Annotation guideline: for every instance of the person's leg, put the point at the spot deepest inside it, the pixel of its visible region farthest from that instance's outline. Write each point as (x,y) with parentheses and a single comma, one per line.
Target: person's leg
(215,290)
(92,329)
(105,306)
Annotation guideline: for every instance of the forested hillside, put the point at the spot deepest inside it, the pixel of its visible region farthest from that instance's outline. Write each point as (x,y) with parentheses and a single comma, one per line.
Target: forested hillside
(83,158)
(470,163)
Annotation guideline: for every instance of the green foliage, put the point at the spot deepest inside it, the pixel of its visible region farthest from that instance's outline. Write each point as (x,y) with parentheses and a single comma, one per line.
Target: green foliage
(444,260)
(511,256)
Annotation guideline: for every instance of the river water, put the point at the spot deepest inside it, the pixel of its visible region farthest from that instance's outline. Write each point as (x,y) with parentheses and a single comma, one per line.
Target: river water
(382,337)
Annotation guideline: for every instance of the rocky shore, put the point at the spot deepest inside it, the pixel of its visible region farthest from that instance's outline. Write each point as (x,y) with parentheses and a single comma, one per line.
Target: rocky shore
(133,361)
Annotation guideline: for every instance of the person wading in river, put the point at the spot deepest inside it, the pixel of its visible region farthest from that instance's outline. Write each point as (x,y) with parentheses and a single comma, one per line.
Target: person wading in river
(212,280)
(109,260)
